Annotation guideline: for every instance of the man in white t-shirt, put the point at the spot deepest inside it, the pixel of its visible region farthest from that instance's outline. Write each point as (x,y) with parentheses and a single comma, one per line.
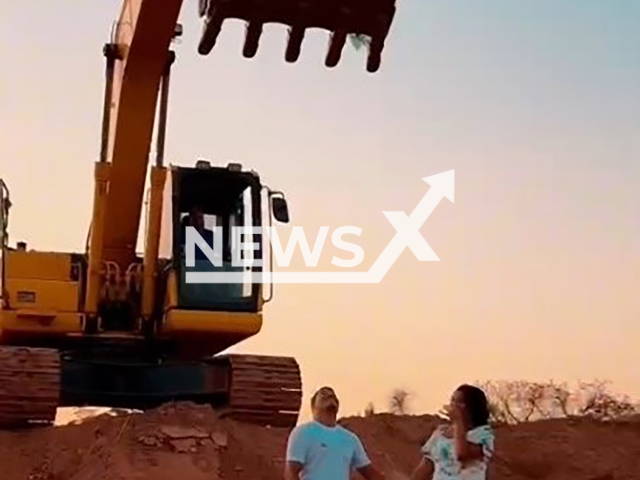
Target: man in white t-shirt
(323,450)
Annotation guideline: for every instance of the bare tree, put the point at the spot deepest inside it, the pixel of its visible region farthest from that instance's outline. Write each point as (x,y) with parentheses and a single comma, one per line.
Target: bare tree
(370,410)
(398,401)
(522,401)
(595,400)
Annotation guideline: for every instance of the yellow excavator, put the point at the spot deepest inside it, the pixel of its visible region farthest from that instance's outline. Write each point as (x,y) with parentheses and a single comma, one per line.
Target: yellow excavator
(112,328)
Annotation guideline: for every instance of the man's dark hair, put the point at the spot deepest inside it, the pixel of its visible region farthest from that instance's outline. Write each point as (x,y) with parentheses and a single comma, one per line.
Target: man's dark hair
(476,403)
(315,395)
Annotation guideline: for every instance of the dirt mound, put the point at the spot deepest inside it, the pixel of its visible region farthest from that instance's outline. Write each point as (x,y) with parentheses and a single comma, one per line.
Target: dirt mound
(175,441)
(191,442)
(551,450)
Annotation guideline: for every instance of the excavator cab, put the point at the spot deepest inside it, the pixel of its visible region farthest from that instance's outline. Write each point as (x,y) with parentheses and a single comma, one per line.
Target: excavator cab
(223,207)
(370,19)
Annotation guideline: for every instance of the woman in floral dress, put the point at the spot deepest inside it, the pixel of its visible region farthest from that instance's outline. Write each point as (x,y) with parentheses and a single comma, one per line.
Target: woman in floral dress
(462,449)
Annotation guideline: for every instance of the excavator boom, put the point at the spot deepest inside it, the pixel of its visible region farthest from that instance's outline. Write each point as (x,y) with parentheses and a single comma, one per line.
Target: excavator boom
(137,59)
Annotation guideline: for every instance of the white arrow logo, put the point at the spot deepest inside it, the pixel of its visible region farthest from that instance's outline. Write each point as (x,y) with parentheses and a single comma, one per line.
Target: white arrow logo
(407,235)
(408,228)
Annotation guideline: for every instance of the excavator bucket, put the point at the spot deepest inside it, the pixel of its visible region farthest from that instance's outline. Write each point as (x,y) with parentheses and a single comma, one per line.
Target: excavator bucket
(361,19)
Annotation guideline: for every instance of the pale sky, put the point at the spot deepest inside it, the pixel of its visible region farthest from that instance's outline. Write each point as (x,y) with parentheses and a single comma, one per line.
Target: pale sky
(534,104)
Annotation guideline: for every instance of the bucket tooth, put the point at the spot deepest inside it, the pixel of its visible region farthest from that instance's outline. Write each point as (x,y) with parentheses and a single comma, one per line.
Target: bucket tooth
(203,7)
(373,62)
(336,45)
(210,31)
(294,44)
(375,55)
(252,38)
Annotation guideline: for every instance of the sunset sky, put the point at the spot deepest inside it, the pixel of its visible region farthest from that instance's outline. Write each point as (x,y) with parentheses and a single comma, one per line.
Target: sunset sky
(536,105)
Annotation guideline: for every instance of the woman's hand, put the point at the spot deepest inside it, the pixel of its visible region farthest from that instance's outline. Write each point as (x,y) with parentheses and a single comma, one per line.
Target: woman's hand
(466,451)
(457,416)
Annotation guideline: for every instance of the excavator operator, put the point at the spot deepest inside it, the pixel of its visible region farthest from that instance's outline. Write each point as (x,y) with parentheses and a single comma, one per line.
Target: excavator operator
(195,219)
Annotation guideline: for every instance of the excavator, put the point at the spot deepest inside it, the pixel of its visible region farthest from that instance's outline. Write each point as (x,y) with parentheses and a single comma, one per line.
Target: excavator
(113,328)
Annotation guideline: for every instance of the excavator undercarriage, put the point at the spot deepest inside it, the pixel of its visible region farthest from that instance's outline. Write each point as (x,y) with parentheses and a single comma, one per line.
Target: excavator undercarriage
(256,388)
(35,382)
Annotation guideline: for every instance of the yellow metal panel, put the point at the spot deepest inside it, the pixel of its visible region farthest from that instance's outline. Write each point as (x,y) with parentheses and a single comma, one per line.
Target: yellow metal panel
(171,296)
(158,176)
(193,322)
(43,295)
(38,265)
(102,173)
(25,321)
(165,249)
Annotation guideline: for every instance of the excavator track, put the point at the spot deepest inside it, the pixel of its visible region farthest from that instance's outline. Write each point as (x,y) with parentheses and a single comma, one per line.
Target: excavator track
(29,386)
(264,390)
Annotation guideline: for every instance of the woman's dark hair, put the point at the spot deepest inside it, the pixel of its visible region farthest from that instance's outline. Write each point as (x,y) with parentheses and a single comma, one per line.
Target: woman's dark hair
(477,405)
